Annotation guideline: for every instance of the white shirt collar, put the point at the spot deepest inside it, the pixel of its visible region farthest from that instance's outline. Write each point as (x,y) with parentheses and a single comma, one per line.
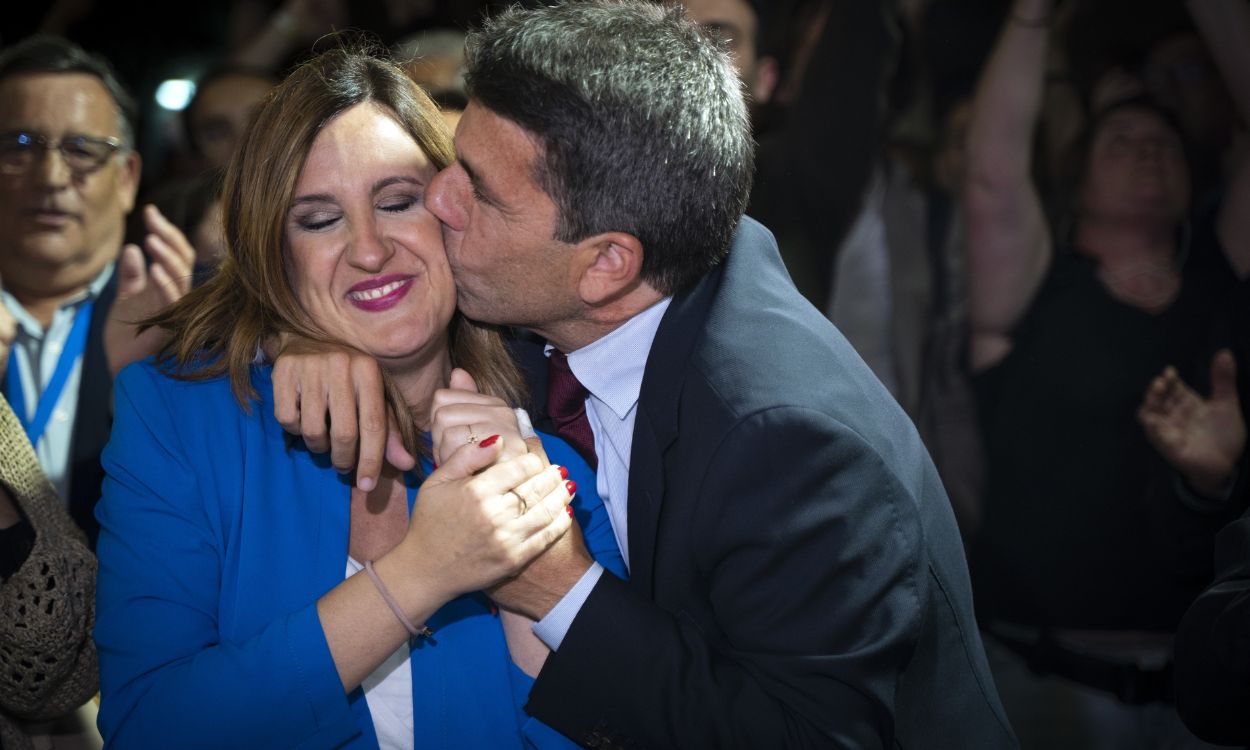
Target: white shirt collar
(611,368)
(31,327)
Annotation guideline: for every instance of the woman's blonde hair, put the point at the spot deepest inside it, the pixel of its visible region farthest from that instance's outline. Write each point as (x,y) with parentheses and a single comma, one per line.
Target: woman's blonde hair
(217,328)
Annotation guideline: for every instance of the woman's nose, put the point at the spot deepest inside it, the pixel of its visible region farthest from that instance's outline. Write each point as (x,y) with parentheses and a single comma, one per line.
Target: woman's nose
(369,250)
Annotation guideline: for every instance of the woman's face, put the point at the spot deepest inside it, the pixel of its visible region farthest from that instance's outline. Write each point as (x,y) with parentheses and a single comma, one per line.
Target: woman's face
(364,256)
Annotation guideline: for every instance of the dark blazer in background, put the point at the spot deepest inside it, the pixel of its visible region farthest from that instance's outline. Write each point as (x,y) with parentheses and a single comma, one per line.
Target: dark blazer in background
(93,421)
(1212,667)
(797,577)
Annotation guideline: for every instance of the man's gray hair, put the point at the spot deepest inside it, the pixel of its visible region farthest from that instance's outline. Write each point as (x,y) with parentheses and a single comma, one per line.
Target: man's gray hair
(46,53)
(642,121)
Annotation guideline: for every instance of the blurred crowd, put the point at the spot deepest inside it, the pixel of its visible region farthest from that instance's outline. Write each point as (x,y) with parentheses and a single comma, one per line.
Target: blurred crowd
(1031,218)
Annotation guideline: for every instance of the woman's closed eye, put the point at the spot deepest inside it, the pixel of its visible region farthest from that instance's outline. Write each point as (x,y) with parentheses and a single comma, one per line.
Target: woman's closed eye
(317,221)
(398,205)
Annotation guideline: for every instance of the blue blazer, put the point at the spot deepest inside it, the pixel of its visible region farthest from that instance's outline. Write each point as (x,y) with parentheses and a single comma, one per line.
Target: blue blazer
(216,542)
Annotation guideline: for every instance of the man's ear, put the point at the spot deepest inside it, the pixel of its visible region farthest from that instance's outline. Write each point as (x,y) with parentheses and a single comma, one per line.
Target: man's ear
(612,265)
(128,180)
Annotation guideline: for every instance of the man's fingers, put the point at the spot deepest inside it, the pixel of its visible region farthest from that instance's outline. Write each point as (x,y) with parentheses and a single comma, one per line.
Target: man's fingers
(168,289)
(344,415)
(371,405)
(286,398)
(132,272)
(166,230)
(166,258)
(312,416)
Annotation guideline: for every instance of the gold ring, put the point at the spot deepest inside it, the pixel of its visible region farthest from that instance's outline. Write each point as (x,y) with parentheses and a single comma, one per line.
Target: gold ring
(521,503)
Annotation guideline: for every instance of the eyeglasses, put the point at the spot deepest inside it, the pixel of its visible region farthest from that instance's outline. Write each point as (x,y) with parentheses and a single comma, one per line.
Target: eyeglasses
(83,154)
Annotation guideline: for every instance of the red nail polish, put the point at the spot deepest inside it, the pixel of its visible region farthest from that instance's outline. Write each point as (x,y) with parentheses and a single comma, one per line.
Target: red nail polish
(571,486)
(569,509)
(564,473)
(488,442)
(435,467)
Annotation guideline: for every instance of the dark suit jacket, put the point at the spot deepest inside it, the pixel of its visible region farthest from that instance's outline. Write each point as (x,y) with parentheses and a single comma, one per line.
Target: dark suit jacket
(93,421)
(797,577)
(1212,667)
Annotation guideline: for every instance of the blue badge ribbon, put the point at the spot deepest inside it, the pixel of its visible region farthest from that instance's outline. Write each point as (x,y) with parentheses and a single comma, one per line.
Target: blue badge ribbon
(75,344)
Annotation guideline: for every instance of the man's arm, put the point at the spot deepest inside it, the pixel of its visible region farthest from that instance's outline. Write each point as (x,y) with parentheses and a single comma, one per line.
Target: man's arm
(785,622)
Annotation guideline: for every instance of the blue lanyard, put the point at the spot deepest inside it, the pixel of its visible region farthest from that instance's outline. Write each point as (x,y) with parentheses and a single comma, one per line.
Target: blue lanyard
(16,394)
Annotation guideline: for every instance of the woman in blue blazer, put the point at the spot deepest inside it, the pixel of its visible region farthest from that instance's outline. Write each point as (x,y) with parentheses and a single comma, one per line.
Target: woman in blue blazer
(249,595)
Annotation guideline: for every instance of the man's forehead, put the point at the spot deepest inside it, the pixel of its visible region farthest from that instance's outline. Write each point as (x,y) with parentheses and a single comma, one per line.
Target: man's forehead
(69,99)
(487,142)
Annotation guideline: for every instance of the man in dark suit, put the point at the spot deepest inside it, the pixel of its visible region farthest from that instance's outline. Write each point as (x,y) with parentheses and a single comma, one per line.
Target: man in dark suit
(796,575)
(1212,665)
(68,177)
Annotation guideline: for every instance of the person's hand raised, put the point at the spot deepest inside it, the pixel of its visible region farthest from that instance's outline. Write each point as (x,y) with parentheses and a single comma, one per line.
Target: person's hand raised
(143,291)
(1201,438)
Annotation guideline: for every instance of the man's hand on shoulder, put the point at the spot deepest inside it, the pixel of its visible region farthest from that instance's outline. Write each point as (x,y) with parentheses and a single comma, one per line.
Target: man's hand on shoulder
(333,397)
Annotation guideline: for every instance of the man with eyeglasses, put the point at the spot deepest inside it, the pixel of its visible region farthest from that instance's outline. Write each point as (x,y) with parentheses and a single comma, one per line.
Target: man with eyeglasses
(68,178)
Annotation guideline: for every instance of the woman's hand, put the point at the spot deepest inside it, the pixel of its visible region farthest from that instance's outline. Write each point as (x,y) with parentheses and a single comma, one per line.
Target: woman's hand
(480,519)
(462,415)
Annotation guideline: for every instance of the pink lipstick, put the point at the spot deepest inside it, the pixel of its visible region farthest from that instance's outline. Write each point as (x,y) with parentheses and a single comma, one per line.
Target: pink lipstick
(381,293)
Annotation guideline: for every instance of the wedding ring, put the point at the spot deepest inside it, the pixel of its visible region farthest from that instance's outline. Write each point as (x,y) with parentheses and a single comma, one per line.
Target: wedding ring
(472,437)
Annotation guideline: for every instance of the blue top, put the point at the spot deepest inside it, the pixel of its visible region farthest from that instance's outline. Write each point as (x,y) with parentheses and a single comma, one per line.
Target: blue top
(217,540)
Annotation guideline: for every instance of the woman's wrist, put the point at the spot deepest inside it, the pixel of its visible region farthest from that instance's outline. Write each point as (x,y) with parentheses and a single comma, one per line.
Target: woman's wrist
(402,572)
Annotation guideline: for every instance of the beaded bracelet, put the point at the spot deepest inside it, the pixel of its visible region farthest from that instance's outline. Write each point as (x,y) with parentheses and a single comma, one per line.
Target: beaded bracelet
(414,631)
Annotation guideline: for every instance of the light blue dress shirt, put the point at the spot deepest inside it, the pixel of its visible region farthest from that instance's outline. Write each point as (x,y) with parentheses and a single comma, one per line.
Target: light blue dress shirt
(37,351)
(611,369)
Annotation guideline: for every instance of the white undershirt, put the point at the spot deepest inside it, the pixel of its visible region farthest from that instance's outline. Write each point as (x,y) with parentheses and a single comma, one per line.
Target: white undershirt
(388,691)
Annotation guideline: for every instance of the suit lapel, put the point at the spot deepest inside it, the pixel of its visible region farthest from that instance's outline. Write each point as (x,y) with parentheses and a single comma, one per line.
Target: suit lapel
(655,428)
(93,420)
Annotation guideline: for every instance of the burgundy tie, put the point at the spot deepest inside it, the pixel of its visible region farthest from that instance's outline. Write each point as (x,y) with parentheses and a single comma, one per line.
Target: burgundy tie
(566,405)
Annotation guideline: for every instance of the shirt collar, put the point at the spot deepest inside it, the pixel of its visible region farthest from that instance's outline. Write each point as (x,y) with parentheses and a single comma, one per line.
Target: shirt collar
(31,327)
(611,368)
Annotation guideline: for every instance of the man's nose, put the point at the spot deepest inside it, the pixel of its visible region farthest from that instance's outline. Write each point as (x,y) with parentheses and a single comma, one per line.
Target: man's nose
(51,169)
(446,195)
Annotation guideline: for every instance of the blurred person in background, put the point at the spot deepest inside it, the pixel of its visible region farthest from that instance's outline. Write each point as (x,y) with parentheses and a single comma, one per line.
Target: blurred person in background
(1106,361)
(68,178)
